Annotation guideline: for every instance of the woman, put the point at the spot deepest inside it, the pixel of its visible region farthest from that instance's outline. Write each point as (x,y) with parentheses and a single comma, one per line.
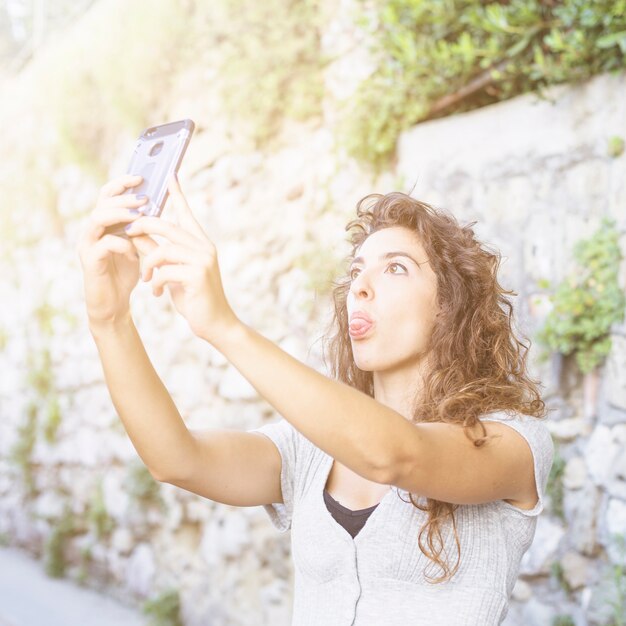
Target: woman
(411,480)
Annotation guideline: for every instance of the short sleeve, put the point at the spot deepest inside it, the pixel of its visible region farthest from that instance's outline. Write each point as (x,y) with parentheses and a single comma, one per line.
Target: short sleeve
(539,439)
(285,438)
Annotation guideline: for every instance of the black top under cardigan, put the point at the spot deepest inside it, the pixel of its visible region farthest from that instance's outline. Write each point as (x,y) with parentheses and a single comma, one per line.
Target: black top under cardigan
(352,521)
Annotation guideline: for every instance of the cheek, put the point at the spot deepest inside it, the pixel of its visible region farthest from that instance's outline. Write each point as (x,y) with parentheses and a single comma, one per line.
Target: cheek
(410,325)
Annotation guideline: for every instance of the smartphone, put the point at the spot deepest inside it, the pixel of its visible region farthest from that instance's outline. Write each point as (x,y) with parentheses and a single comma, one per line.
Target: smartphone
(158,154)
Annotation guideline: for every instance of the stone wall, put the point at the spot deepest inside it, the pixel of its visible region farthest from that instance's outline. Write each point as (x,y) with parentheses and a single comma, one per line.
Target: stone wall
(537,176)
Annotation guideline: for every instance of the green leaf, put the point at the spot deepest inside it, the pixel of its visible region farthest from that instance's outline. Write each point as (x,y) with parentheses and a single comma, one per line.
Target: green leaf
(521,45)
(608,41)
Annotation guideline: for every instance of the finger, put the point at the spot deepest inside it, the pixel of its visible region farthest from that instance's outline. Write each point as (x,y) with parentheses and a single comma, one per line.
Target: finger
(171,254)
(107,217)
(183,211)
(112,244)
(99,220)
(119,185)
(172,232)
(125,200)
(175,274)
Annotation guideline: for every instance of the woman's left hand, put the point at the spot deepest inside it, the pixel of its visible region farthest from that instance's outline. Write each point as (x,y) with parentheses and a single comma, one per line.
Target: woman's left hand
(187,264)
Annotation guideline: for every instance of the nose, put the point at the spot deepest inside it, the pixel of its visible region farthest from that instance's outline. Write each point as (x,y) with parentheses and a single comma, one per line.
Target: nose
(360,286)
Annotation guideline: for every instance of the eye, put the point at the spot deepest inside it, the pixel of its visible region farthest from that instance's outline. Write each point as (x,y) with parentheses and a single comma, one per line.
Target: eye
(399,265)
(355,269)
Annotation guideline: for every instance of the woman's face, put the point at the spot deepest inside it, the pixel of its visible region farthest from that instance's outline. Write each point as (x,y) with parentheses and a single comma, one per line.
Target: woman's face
(398,293)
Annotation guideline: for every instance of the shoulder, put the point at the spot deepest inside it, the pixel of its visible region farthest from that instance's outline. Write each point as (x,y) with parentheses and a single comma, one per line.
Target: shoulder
(291,443)
(525,429)
(530,440)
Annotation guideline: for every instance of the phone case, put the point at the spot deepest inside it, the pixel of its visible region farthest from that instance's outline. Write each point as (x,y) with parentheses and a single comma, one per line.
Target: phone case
(158,153)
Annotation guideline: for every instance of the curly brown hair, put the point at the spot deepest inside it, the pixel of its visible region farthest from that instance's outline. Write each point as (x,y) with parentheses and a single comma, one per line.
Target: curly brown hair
(477,365)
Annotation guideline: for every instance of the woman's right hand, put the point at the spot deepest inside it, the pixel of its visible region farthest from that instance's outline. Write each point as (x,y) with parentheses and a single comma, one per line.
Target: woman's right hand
(110,263)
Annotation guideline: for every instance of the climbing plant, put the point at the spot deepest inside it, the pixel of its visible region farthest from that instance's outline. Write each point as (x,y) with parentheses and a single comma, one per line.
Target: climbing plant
(142,487)
(588,302)
(97,515)
(54,548)
(22,449)
(164,609)
(43,412)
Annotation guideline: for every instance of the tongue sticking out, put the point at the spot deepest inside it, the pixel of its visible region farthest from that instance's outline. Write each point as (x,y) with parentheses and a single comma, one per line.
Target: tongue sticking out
(358,324)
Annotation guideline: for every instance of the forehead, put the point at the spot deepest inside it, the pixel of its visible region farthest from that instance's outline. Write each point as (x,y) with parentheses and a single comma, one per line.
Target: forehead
(392,238)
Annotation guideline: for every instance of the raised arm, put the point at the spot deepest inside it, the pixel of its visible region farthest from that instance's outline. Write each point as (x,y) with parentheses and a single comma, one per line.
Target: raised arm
(227,466)
(142,402)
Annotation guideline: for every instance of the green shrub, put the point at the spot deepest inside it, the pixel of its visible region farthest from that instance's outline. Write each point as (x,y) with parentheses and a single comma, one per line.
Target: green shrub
(618,577)
(616,146)
(39,375)
(52,419)
(54,547)
(97,514)
(83,571)
(164,610)
(589,302)
(44,314)
(434,59)
(22,450)
(142,486)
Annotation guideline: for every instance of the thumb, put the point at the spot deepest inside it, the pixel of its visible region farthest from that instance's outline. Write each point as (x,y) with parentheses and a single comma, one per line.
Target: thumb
(182,208)
(144,244)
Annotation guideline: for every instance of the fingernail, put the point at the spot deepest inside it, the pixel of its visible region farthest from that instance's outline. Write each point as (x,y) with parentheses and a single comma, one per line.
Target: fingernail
(141,196)
(134,211)
(128,226)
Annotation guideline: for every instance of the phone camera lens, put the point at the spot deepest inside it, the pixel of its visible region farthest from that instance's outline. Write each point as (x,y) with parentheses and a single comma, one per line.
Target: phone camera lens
(156,148)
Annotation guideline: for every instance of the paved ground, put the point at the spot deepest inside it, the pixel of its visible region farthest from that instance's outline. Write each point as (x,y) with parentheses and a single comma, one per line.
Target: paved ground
(28,597)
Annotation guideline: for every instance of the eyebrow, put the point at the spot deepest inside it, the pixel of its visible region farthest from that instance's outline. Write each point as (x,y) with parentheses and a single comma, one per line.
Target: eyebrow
(387,255)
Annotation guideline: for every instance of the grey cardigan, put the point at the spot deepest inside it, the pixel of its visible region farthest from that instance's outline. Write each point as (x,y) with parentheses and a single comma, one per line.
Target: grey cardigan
(377,578)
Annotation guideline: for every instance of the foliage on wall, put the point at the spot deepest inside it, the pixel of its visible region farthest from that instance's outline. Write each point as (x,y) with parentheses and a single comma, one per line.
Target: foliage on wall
(164,609)
(54,549)
(588,302)
(435,59)
(269,64)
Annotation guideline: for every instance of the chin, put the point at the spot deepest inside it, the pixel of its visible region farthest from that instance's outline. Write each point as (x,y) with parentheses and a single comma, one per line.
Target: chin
(366,364)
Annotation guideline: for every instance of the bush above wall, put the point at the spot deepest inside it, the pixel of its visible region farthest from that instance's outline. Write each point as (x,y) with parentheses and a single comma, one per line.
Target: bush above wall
(439,58)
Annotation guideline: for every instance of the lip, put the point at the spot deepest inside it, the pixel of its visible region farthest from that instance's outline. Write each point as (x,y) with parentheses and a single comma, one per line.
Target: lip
(361,315)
